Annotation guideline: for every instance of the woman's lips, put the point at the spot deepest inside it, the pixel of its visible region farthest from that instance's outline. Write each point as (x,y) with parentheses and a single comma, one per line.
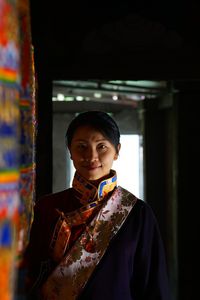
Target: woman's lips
(92,167)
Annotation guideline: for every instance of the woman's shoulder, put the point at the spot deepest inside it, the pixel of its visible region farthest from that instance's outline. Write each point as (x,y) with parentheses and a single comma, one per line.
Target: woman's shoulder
(141,207)
(54,200)
(144,216)
(57,195)
(138,202)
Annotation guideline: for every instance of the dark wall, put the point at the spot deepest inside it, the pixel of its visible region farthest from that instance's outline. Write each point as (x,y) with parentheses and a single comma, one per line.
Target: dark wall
(44,133)
(172,157)
(160,161)
(188,188)
(160,39)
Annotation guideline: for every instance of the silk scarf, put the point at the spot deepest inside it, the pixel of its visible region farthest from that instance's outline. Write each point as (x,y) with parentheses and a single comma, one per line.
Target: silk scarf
(70,225)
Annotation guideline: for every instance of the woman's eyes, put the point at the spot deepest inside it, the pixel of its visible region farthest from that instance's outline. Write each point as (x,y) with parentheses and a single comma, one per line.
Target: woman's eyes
(102,147)
(98,147)
(81,146)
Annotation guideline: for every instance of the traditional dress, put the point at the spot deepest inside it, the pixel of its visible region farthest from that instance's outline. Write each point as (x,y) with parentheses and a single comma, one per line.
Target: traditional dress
(96,243)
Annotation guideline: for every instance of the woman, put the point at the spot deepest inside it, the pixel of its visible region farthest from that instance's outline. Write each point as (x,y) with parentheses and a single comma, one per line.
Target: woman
(96,240)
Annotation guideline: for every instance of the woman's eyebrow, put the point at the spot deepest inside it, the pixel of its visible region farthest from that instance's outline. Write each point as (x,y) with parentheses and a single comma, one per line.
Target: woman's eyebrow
(85,140)
(102,140)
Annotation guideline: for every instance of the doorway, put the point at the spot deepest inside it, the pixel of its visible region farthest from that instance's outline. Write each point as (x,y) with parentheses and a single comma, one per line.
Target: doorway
(123,100)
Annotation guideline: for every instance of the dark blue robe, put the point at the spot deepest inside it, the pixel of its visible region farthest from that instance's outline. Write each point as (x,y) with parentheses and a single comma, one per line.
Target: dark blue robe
(132,268)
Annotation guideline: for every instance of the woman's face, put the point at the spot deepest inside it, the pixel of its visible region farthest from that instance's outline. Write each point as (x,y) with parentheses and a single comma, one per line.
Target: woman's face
(92,153)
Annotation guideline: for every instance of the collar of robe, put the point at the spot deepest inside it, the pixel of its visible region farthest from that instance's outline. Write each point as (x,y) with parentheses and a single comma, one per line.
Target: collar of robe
(87,192)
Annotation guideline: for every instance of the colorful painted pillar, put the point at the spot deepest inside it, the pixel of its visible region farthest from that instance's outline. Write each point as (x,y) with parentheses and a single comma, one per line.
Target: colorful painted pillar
(27,127)
(17,140)
(9,144)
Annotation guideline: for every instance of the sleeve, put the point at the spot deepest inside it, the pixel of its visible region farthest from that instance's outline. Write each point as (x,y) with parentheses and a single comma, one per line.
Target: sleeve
(36,258)
(150,278)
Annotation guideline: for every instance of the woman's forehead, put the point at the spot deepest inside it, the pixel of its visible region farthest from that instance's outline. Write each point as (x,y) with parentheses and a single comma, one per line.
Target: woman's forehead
(88,131)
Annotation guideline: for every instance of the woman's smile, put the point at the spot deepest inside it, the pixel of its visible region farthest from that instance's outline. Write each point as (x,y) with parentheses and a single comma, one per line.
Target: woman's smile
(92,167)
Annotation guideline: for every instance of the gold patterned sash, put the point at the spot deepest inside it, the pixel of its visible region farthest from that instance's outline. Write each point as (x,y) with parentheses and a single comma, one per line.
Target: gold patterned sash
(71,275)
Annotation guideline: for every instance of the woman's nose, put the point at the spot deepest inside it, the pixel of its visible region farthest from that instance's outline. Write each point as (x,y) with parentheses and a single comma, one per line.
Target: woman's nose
(91,154)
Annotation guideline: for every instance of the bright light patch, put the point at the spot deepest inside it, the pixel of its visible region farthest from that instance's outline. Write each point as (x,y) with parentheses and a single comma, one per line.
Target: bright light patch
(79,98)
(128,164)
(115,97)
(60,97)
(97,95)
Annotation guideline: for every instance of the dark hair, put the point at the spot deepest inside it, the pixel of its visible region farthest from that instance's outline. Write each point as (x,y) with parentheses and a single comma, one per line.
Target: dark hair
(98,120)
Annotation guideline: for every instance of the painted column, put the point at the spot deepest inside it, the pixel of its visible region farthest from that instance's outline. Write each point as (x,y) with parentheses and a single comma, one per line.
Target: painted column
(9,144)
(27,127)
(17,140)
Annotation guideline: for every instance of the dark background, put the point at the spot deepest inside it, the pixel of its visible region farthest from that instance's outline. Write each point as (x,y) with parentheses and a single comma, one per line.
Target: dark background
(160,38)
(138,40)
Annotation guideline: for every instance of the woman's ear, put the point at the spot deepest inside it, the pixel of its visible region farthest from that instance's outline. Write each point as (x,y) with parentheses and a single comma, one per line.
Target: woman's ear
(117,153)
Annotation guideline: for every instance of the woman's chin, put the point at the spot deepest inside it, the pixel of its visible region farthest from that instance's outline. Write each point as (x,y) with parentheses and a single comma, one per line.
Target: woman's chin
(91,176)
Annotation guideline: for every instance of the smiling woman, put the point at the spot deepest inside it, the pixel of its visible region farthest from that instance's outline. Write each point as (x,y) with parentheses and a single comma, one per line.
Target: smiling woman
(83,238)
(92,146)
(92,153)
